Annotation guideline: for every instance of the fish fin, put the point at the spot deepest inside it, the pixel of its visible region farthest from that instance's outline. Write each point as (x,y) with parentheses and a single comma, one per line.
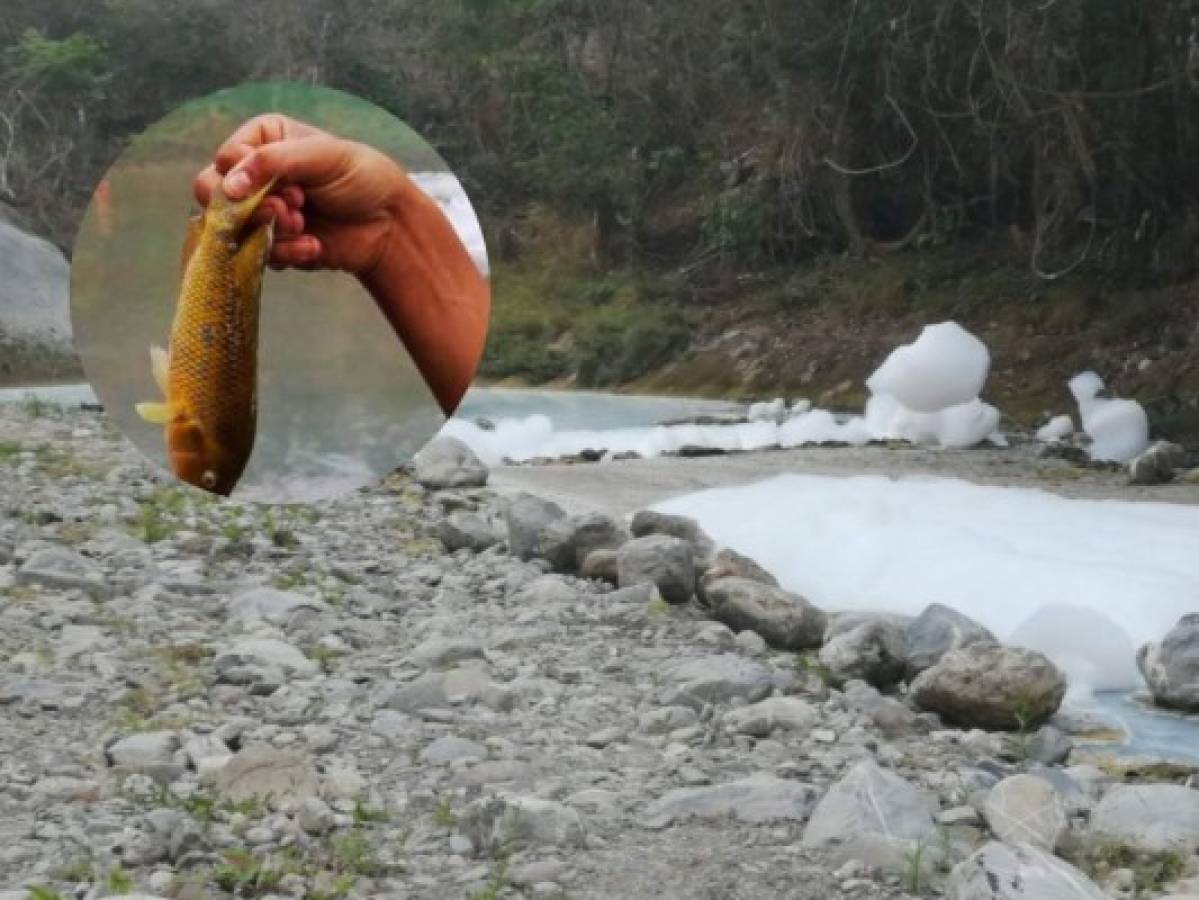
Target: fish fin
(191,240)
(239,211)
(160,362)
(158,413)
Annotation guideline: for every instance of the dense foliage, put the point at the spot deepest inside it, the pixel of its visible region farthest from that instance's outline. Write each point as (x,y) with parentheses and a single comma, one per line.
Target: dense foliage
(706,135)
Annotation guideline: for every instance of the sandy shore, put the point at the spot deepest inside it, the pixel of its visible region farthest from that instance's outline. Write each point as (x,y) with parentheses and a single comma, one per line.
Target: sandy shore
(621,487)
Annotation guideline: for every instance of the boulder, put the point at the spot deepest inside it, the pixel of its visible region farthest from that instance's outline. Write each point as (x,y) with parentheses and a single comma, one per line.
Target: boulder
(602,565)
(1026,809)
(938,630)
(566,543)
(785,620)
(647,522)
(446,462)
(717,679)
(467,531)
(872,650)
(1171,668)
(889,714)
(661,560)
(1158,464)
(772,714)
(527,518)
(1152,818)
(1000,871)
(731,564)
(35,317)
(992,687)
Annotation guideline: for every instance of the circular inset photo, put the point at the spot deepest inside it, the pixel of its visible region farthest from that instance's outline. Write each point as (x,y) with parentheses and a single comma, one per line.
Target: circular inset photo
(279,292)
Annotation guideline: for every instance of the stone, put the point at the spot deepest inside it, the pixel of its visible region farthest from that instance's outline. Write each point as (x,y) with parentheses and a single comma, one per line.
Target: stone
(661,560)
(1158,464)
(231,663)
(260,770)
(273,606)
(1154,818)
(1026,809)
(435,652)
(527,518)
(647,522)
(719,678)
(510,820)
(450,748)
(993,687)
(58,567)
(1049,745)
(207,753)
(936,631)
(758,798)
(1171,668)
(601,565)
(35,319)
(785,620)
(873,651)
(729,563)
(889,714)
(314,816)
(567,542)
(467,531)
(446,462)
(1000,871)
(139,751)
(458,685)
(871,802)
(781,713)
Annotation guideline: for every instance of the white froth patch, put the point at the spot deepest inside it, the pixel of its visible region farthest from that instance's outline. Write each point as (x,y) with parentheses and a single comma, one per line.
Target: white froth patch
(1010,558)
(1119,429)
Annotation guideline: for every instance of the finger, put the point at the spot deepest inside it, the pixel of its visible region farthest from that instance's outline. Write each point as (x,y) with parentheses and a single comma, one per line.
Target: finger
(293,195)
(262,129)
(310,161)
(301,252)
(204,184)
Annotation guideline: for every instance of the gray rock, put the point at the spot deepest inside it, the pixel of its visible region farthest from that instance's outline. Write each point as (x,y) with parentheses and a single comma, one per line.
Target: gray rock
(35,320)
(1049,745)
(781,713)
(661,560)
(436,652)
(731,564)
(548,590)
(870,801)
(873,651)
(260,770)
(467,531)
(266,604)
(1171,668)
(59,567)
(567,542)
(758,798)
(512,821)
(1025,809)
(448,748)
(889,714)
(786,621)
(446,462)
(207,753)
(601,564)
(314,816)
(938,630)
(232,663)
(1155,818)
(993,687)
(1158,464)
(647,521)
(139,751)
(1021,872)
(718,679)
(527,518)
(434,690)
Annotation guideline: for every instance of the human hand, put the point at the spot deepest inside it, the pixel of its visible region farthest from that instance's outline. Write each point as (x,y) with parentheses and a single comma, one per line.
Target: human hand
(336,203)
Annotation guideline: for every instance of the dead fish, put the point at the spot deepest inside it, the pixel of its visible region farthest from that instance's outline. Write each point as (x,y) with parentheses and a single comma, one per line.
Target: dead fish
(209,373)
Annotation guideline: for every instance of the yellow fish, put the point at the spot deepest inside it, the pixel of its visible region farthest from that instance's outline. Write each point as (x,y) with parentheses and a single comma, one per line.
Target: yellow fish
(209,374)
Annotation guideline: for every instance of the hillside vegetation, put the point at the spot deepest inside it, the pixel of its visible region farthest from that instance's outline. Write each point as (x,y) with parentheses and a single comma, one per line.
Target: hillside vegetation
(643,170)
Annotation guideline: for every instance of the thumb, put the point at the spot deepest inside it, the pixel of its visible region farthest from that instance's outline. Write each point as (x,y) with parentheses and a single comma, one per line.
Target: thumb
(306,162)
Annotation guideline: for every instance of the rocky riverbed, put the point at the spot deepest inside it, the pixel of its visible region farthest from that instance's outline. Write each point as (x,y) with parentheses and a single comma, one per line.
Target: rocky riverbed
(436,692)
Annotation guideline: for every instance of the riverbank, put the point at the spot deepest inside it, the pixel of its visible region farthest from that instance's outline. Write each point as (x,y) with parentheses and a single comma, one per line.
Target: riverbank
(328,701)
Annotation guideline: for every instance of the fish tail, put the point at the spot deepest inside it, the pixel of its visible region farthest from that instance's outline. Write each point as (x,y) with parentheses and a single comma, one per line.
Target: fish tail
(238,213)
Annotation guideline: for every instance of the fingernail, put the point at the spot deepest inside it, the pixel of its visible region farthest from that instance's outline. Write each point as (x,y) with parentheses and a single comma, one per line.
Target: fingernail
(237,183)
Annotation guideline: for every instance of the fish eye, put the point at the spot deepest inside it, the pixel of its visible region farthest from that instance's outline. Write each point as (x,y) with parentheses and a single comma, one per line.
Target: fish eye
(208,478)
